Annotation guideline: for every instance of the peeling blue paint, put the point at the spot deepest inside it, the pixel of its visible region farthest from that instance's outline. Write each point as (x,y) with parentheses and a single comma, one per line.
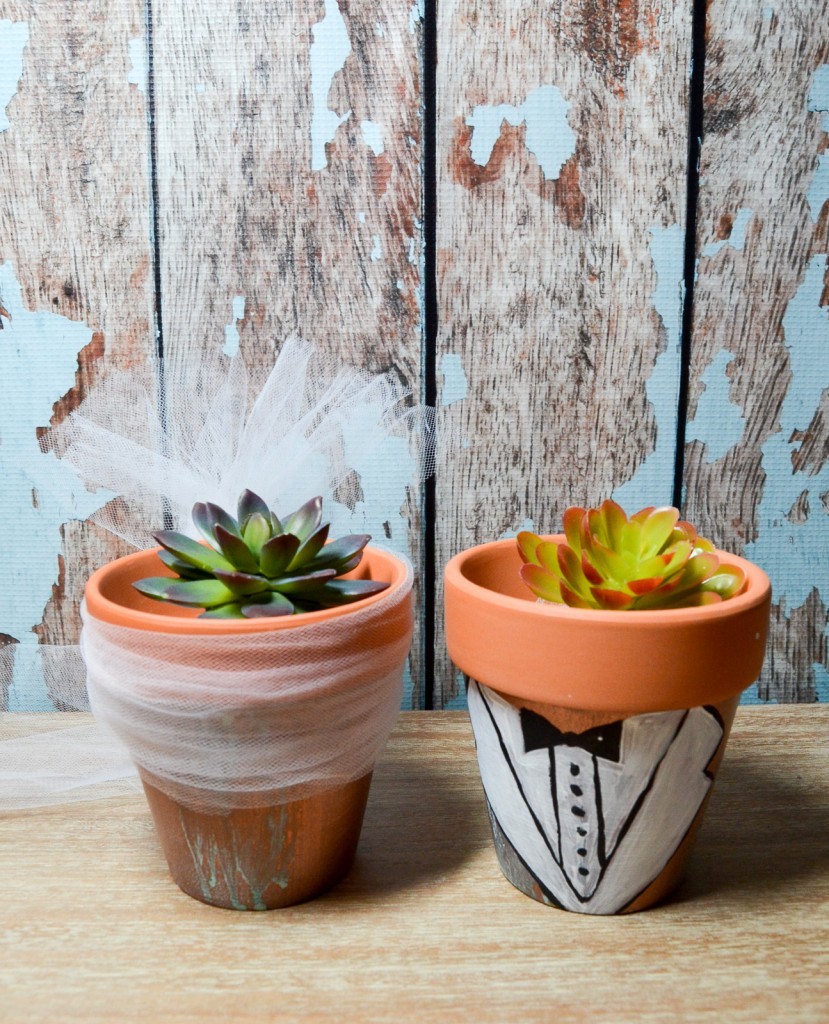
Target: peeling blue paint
(652,483)
(38,360)
(788,549)
(510,534)
(376,251)
(719,422)
(138,59)
(201,87)
(416,15)
(818,101)
(329,50)
(455,385)
(372,136)
(737,238)
(231,345)
(14,35)
(361,217)
(549,137)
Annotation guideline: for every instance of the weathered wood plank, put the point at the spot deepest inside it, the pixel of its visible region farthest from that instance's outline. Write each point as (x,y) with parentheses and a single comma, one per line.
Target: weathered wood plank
(562,153)
(757,475)
(75,287)
(288,140)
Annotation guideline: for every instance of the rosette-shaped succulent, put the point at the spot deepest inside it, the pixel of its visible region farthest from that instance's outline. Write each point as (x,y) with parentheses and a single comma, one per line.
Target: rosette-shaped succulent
(256,565)
(610,561)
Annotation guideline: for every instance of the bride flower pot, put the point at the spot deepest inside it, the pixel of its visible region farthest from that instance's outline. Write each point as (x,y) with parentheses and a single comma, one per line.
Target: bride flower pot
(255,739)
(598,732)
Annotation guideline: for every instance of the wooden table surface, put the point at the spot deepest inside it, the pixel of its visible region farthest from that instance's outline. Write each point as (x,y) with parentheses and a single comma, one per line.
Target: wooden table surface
(426,928)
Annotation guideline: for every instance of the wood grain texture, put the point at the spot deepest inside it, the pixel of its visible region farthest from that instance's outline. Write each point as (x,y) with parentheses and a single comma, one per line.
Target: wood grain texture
(559,283)
(76,264)
(757,475)
(288,140)
(426,928)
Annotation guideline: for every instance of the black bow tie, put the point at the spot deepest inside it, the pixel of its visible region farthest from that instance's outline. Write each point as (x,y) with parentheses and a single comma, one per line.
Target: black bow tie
(602,741)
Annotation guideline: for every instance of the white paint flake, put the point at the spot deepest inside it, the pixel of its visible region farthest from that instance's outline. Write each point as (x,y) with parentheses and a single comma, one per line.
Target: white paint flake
(361,216)
(14,35)
(231,345)
(652,483)
(737,238)
(201,87)
(329,50)
(376,252)
(455,385)
(549,137)
(38,361)
(372,136)
(719,422)
(138,59)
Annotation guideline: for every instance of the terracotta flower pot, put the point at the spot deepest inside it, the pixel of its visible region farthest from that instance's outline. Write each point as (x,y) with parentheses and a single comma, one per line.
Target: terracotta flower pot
(261,849)
(598,733)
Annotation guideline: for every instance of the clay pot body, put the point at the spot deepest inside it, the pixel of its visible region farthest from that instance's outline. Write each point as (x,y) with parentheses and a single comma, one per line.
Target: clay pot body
(251,851)
(598,733)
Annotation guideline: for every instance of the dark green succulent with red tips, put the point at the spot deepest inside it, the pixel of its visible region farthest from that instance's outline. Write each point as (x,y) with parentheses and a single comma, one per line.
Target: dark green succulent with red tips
(258,565)
(608,560)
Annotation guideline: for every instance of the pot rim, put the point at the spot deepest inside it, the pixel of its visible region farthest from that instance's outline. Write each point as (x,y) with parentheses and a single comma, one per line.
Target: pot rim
(757,589)
(594,659)
(121,572)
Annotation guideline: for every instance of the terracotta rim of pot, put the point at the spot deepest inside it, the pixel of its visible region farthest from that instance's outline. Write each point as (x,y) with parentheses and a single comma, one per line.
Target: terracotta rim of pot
(631,662)
(110,597)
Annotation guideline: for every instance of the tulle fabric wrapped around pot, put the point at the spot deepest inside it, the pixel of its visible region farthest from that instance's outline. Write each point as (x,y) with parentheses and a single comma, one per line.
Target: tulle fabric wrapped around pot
(152,443)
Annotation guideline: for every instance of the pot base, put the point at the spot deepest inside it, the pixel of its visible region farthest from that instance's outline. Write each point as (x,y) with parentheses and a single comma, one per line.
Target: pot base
(260,858)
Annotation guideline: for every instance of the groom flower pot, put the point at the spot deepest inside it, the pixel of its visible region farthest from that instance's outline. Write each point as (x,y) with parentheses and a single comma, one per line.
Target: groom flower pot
(598,733)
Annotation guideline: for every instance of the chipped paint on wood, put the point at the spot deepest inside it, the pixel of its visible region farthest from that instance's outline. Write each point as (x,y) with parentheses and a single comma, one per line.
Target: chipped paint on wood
(455,384)
(719,422)
(14,35)
(548,137)
(653,480)
(765,302)
(137,75)
(231,345)
(329,50)
(38,361)
(735,237)
(788,543)
(818,102)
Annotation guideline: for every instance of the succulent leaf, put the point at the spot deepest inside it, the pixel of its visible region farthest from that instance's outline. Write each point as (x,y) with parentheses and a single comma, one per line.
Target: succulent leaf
(250,503)
(278,554)
(243,584)
(193,593)
(342,550)
(273,604)
(305,520)
(190,551)
(256,533)
(183,569)
(310,548)
(235,550)
(610,560)
(337,592)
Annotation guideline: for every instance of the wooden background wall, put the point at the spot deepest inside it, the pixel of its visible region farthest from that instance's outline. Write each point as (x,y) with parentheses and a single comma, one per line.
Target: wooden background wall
(591,317)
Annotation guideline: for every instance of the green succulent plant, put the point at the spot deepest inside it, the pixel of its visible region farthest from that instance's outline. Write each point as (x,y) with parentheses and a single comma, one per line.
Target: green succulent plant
(608,560)
(256,565)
